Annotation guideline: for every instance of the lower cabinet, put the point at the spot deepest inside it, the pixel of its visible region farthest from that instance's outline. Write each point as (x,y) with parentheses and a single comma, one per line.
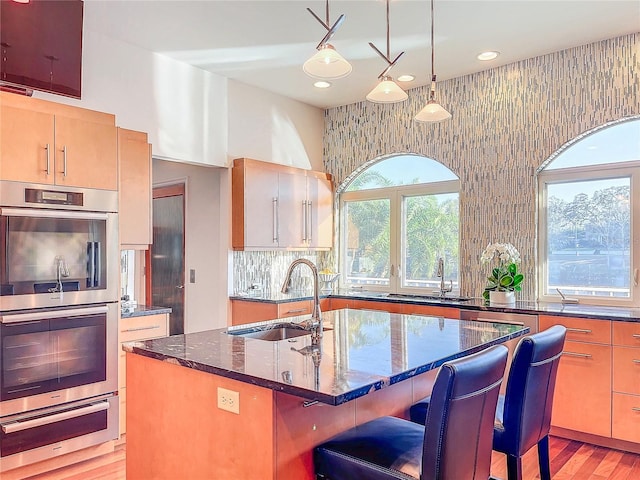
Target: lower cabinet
(144,327)
(626,382)
(583,394)
(245,311)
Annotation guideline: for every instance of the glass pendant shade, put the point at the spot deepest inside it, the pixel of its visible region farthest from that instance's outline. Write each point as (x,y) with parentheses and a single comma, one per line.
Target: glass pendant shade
(327,64)
(432,112)
(387,91)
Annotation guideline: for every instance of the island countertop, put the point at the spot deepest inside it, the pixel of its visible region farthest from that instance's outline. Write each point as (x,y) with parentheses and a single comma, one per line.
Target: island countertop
(361,351)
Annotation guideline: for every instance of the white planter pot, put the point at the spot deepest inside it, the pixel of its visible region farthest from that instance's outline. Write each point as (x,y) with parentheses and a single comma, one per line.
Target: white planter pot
(502,298)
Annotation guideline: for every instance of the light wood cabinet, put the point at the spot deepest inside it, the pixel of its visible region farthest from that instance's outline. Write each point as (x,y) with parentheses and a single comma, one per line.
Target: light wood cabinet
(277,207)
(144,327)
(134,166)
(48,143)
(626,382)
(246,311)
(582,400)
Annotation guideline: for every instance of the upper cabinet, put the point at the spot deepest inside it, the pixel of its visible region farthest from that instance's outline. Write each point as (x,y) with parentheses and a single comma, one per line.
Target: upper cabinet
(280,208)
(50,143)
(134,162)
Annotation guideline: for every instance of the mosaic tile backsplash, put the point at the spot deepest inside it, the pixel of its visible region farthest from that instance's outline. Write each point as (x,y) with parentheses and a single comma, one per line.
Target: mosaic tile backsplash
(506,123)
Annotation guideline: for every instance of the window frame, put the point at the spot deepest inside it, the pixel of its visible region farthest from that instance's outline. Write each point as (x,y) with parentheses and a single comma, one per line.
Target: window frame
(397,248)
(630,169)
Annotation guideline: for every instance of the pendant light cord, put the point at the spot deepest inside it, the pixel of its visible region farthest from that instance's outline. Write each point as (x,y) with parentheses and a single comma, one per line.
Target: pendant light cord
(433,76)
(327,11)
(388,49)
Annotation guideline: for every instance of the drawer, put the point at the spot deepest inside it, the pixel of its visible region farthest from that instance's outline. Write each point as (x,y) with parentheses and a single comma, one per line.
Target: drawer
(626,417)
(143,327)
(292,309)
(435,310)
(626,370)
(626,333)
(580,329)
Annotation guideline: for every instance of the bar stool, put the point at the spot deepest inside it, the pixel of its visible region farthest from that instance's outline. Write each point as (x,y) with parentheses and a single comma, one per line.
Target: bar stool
(523,416)
(455,444)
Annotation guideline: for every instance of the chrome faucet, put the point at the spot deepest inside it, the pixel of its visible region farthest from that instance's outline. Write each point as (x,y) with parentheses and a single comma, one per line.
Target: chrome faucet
(314,324)
(440,273)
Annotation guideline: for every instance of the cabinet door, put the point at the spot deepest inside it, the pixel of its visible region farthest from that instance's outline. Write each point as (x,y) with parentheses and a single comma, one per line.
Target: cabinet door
(436,310)
(134,162)
(292,205)
(86,154)
(626,417)
(319,213)
(293,309)
(582,399)
(26,145)
(250,312)
(260,208)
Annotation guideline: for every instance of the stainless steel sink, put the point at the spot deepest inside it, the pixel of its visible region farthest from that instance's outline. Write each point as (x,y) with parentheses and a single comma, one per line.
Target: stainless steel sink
(273,332)
(429,297)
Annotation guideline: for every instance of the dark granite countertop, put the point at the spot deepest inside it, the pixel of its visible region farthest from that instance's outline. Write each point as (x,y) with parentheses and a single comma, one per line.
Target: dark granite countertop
(572,310)
(361,351)
(141,310)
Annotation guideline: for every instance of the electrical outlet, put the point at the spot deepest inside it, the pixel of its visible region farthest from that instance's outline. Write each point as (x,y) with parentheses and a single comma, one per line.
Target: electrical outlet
(228,400)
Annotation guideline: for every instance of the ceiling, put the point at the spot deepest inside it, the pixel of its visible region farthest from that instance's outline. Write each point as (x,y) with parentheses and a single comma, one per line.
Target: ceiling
(264,43)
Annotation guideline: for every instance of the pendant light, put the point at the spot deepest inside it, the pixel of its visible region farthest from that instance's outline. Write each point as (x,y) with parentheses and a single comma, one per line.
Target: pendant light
(387,91)
(327,64)
(433,111)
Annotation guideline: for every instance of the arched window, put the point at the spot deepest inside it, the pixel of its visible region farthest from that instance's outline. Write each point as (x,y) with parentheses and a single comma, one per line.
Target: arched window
(399,216)
(589,215)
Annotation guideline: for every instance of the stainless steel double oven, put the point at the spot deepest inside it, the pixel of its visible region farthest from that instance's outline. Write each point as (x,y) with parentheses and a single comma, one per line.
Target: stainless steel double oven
(58,320)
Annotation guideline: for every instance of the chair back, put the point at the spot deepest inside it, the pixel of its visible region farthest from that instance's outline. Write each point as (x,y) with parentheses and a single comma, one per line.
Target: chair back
(459,425)
(530,386)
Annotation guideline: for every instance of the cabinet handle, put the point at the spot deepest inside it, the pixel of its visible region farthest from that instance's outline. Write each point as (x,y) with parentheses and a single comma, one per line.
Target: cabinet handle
(64,161)
(635,409)
(310,227)
(635,277)
(297,310)
(48,159)
(574,354)
(275,220)
(139,329)
(635,360)
(304,220)
(578,330)
(635,335)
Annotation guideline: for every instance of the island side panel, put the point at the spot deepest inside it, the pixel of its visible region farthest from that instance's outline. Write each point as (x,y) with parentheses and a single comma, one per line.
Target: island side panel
(175,429)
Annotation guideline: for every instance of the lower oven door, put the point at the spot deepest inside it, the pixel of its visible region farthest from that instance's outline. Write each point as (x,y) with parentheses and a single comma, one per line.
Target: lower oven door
(45,433)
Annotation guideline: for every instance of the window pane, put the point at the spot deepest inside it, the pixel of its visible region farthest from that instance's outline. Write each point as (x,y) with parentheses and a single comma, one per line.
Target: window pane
(430,232)
(401,170)
(367,242)
(588,238)
(617,143)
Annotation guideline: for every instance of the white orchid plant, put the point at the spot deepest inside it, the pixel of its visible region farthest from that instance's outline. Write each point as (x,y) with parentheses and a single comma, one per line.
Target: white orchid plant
(504,277)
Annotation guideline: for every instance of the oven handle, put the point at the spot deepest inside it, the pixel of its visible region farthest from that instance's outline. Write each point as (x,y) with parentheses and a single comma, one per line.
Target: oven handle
(56,417)
(74,312)
(44,213)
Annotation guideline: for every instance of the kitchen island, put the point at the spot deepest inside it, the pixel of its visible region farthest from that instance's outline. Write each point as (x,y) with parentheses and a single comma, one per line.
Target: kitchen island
(289,395)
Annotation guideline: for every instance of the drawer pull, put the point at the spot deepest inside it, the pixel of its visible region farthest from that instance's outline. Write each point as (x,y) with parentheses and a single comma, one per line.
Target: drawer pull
(578,330)
(635,360)
(574,354)
(139,329)
(635,409)
(635,335)
(297,310)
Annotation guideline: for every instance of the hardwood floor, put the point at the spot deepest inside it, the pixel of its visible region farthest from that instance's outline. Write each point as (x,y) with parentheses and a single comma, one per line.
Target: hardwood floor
(570,460)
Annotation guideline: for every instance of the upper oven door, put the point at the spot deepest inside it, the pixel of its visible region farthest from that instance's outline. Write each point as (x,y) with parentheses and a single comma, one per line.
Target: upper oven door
(53,258)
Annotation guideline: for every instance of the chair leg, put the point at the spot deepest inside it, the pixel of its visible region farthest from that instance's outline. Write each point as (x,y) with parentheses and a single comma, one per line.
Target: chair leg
(514,467)
(543,458)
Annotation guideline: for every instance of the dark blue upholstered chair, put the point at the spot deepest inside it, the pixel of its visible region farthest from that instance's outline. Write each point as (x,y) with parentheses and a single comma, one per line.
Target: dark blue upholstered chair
(523,416)
(455,444)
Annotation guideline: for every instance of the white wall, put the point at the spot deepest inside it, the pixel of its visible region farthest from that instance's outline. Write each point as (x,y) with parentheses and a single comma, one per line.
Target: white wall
(206,239)
(191,115)
(269,127)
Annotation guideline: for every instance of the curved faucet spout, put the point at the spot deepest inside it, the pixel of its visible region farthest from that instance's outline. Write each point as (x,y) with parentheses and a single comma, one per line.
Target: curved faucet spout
(315,324)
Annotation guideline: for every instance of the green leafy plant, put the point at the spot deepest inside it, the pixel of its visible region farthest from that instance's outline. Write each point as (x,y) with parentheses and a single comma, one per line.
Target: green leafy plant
(504,277)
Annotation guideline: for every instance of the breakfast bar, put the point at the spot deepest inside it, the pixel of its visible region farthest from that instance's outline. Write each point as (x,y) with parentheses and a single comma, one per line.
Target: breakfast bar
(248,402)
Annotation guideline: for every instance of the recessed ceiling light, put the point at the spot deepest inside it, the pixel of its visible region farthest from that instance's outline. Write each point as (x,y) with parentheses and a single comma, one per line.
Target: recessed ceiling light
(488,55)
(322,84)
(406,78)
